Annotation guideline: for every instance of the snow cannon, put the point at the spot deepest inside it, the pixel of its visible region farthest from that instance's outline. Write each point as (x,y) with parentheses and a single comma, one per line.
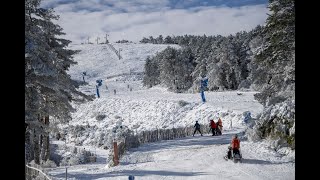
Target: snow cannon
(247,116)
(204,82)
(99,81)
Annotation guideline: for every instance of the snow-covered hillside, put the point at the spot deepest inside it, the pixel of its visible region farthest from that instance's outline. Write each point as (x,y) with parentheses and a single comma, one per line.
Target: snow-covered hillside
(141,109)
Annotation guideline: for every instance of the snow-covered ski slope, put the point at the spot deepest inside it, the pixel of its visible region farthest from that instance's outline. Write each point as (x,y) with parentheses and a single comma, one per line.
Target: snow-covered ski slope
(147,109)
(141,108)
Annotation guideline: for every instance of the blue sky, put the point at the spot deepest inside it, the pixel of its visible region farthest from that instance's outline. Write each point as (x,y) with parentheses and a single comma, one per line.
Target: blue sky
(134,19)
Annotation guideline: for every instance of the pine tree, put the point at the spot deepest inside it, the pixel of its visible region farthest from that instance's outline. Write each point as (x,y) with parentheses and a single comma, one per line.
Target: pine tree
(48,88)
(278,54)
(168,40)
(184,66)
(167,66)
(144,40)
(277,61)
(151,77)
(159,39)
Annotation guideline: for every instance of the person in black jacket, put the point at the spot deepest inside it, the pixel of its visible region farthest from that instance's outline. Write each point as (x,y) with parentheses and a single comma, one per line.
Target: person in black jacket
(197,126)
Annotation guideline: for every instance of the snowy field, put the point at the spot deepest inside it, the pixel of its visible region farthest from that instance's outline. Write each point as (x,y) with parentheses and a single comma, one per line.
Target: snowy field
(141,109)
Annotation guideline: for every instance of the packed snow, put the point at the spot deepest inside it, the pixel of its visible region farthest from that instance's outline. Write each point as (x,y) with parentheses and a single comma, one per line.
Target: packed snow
(141,109)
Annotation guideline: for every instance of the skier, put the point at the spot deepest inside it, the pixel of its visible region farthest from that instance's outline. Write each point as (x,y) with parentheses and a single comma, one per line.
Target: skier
(213,127)
(218,130)
(235,144)
(197,126)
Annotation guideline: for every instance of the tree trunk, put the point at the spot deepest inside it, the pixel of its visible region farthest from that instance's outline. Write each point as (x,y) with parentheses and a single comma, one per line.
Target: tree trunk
(36,147)
(41,147)
(45,147)
(46,140)
(47,153)
(29,146)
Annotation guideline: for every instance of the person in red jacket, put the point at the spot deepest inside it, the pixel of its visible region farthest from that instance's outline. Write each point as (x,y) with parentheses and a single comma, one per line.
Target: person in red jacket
(213,127)
(235,144)
(220,124)
(234,147)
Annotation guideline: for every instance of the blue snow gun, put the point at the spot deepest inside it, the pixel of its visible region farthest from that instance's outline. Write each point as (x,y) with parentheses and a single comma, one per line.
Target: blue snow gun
(204,83)
(99,81)
(247,117)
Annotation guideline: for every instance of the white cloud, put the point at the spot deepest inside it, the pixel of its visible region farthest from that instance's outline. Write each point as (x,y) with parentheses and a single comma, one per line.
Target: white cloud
(132,23)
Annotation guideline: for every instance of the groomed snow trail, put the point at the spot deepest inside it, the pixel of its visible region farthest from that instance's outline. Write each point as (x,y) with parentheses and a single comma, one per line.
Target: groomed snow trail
(199,157)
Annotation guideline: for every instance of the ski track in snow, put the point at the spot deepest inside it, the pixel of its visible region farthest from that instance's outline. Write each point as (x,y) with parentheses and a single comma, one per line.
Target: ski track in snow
(147,109)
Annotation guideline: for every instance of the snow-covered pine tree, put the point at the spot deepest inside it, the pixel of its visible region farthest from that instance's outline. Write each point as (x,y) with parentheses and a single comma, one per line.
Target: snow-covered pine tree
(277,60)
(184,66)
(48,88)
(257,73)
(241,47)
(278,54)
(167,66)
(152,40)
(168,40)
(151,70)
(159,39)
(144,40)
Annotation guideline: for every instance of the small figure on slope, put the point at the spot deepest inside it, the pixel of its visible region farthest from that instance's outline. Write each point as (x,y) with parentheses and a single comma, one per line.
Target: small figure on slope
(197,126)
(219,127)
(234,149)
(220,124)
(235,144)
(213,127)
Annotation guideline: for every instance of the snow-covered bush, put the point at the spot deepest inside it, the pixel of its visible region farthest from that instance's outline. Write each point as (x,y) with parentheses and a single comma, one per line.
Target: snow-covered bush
(64,161)
(277,123)
(76,157)
(100,117)
(48,164)
(253,135)
(244,84)
(182,103)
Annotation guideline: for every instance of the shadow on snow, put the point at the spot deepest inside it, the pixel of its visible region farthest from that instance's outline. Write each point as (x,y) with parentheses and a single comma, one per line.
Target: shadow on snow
(129,172)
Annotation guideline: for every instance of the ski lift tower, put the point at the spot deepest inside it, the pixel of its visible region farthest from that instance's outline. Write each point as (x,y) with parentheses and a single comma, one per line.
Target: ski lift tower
(107,38)
(97,40)
(99,83)
(83,75)
(119,53)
